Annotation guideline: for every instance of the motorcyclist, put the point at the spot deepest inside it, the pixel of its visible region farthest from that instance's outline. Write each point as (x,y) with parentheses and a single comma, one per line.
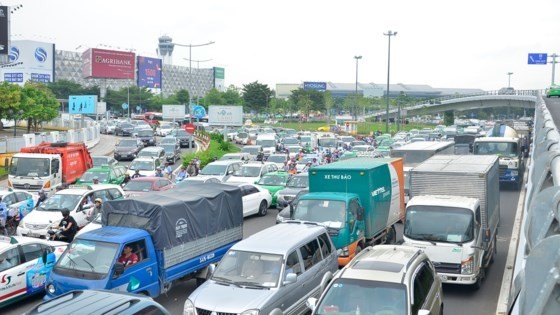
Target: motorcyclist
(182,174)
(68,227)
(136,174)
(95,210)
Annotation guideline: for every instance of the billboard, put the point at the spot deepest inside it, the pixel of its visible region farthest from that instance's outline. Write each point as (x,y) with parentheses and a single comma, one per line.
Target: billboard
(149,72)
(82,104)
(4,30)
(30,60)
(108,64)
(173,111)
(219,79)
(219,115)
(317,86)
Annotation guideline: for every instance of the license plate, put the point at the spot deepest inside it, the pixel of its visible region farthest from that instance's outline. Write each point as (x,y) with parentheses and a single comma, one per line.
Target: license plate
(443,277)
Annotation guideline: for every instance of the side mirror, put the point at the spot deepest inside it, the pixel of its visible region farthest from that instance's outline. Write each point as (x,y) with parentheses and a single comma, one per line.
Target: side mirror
(290,278)
(119,270)
(291,210)
(45,256)
(210,271)
(311,303)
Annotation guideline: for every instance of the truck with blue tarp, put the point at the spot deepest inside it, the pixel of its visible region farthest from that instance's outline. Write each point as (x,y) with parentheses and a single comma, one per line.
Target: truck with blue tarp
(149,242)
(359,201)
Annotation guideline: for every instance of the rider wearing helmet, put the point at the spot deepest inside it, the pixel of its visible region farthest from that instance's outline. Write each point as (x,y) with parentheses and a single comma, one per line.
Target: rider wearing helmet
(68,225)
(42,197)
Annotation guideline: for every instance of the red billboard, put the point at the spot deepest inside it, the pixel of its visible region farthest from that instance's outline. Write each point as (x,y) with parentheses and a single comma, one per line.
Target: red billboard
(108,64)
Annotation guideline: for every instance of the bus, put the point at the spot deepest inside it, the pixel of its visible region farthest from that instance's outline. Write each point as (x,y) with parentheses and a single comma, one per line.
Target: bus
(197,121)
(152,118)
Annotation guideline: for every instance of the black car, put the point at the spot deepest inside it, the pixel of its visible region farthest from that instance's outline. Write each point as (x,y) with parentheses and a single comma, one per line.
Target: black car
(147,136)
(124,129)
(127,149)
(172,152)
(185,139)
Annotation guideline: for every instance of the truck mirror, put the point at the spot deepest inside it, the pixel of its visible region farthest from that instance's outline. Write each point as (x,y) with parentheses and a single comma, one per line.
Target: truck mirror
(290,278)
(210,270)
(119,270)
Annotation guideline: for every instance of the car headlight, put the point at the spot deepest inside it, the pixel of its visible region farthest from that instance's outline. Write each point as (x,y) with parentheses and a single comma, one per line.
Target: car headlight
(189,309)
(50,288)
(467,266)
(250,312)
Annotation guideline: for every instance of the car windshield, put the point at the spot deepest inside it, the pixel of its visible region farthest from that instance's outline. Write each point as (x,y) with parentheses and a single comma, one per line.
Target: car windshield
(360,148)
(142,165)
(250,150)
(169,149)
(127,126)
(88,176)
(440,224)
(100,161)
(298,182)
(305,139)
(34,167)
(148,153)
(331,213)
(242,135)
(266,143)
(182,133)
(249,269)
(60,201)
(290,141)
(327,142)
(128,143)
(248,171)
(499,148)
(88,256)
(145,133)
(350,296)
(273,180)
(277,158)
(213,169)
(138,185)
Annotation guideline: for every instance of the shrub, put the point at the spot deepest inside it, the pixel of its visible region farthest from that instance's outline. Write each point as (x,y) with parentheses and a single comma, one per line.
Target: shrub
(217,148)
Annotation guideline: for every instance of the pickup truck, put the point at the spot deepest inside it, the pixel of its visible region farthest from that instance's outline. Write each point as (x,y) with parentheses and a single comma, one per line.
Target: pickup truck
(175,234)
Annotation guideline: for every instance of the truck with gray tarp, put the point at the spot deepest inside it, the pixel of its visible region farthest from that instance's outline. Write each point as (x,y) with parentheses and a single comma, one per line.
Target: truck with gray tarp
(175,234)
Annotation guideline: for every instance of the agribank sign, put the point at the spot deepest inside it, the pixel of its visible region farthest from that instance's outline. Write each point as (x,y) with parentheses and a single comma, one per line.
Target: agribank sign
(108,64)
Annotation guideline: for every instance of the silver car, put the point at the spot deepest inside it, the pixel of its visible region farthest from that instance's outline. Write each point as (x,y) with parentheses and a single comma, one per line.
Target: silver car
(274,271)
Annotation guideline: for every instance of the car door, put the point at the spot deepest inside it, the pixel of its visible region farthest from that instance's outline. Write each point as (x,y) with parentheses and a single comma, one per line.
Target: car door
(12,274)
(426,290)
(291,295)
(37,271)
(311,276)
(138,275)
(250,200)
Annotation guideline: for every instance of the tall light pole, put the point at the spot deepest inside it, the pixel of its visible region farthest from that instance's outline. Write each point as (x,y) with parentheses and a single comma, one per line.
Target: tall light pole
(509,79)
(198,68)
(356,96)
(553,62)
(388,34)
(190,60)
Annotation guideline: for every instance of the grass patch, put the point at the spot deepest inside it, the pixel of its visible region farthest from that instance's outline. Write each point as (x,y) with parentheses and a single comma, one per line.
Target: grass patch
(217,148)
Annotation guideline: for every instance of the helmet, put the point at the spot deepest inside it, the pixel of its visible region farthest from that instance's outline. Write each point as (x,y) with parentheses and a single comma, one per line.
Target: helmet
(42,191)
(99,200)
(137,171)
(65,212)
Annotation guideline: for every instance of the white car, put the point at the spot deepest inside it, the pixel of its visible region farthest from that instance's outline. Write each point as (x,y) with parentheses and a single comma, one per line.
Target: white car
(22,267)
(256,200)
(278,159)
(252,172)
(79,200)
(14,199)
(93,225)
(164,129)
(147,166)
(242,138)
(221,170)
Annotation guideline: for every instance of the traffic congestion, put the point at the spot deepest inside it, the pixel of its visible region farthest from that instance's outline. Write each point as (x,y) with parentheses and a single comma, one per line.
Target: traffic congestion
(348,210)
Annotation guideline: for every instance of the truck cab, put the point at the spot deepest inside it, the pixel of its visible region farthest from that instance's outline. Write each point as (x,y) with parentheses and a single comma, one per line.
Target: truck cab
(511,157)
(33,172)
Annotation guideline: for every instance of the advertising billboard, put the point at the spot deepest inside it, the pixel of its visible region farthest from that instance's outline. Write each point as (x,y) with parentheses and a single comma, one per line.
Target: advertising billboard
(149,72)
(108,64)
(82,104)
(30,60)
(219,79)
(4,30)
(317,86)
(173,111)
(219,115)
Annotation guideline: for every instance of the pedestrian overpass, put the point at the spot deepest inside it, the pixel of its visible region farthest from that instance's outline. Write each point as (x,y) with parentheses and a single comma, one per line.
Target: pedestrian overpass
(490,99)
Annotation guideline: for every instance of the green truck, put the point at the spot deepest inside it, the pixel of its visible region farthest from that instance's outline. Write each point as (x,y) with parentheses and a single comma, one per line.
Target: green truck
(358,200)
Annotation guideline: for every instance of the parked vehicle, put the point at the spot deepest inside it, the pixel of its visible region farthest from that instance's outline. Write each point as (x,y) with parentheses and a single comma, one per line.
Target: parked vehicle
(454,213)
(79,200)
(505,142)
(98,302)
(48,165)
(101,160)
(127,149)
(160,231)
(410,287)
(273,271)
(147,136)
(358,200)
(26,262)
(142,185)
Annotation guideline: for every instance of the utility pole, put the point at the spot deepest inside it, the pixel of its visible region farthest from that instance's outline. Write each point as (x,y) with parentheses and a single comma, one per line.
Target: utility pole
(553,62)
(388,34)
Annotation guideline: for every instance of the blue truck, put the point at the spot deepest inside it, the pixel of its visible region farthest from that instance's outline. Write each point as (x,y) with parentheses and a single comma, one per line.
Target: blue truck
(149,242)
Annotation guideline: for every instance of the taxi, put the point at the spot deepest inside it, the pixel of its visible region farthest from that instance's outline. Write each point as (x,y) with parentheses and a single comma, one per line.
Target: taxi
(105,174)
(25,264)
(273,182)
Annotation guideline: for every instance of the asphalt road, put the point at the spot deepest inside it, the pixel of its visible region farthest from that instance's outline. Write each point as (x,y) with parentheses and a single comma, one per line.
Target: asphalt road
(457,299)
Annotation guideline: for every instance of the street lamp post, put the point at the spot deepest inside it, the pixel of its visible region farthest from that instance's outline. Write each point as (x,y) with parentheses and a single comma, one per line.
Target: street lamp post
(553,62)
(388,34)
(509,79)
(190,60)
(356,96)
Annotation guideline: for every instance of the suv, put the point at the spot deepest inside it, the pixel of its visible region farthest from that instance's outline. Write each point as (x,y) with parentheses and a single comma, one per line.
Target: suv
(271,272)
(221,170)
(157,153)
(78,199)
(127,149)
(388,279)
(252,172)
(147,137)
(185,138)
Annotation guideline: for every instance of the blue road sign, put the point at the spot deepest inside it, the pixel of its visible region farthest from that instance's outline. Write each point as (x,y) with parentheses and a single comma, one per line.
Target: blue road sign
(199,112)
(124,105)
(82,104)
(537,59)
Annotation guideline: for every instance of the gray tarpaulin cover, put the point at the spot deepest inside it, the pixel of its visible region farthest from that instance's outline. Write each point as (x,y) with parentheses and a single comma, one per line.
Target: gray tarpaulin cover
(178,215)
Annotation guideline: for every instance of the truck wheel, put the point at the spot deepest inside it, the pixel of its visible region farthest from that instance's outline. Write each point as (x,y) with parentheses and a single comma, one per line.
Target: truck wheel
(263,209)
(495,251)
(481,276)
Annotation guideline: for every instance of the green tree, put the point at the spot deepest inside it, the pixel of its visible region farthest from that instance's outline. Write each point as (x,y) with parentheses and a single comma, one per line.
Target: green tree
(214,97)
(64,88)
(448,118)
(39,104)
(304,104)
(316,98)
(256,96)
(232,96)
(182,96)
(10,99)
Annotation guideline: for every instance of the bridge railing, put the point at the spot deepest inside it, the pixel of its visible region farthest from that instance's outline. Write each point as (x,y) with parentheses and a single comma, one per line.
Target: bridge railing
(533,275)
(457,96)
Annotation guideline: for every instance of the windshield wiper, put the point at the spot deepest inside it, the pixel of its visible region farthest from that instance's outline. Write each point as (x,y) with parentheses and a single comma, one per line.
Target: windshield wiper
(249,284)
(225,280)
(89,264)
(424,237)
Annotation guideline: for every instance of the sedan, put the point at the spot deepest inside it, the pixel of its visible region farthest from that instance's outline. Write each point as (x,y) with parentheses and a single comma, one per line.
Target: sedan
(273,182)
(101,160)
(143,185)
(255,199)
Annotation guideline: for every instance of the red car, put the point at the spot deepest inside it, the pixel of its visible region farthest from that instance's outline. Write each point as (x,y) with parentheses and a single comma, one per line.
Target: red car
(142,185)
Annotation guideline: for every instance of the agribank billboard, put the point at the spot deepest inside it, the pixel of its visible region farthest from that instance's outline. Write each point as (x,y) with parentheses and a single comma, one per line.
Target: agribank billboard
(31,60)
(108,64)
(149,72)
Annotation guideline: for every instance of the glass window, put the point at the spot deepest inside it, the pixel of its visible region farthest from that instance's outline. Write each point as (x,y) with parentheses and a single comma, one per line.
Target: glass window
(32,251)
(293,264)
(22,196)
(423,281)
(10,199)
(250,268)
(311,254)
(115,193)
(103,194)
(326,246)
(9,259)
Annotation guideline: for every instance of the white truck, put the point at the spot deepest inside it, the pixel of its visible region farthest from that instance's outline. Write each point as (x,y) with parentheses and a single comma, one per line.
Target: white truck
(453,215)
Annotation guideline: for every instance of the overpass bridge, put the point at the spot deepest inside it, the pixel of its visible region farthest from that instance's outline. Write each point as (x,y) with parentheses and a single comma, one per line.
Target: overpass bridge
(491,99)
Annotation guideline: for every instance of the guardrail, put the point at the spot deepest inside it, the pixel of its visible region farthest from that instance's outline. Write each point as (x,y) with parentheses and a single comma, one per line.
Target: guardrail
(535,288)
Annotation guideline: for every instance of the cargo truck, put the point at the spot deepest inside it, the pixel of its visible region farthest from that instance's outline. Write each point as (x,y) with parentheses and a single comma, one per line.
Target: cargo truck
(48,165)
(504,141)
(175,234)
(453,215)
(358,200)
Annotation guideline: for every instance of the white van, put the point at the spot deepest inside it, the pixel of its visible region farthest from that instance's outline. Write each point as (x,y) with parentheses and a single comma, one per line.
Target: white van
(268,143)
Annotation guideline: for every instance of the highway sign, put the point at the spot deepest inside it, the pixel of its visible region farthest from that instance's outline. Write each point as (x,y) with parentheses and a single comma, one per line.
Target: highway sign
(199,112)
(189,128)
(537,59)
